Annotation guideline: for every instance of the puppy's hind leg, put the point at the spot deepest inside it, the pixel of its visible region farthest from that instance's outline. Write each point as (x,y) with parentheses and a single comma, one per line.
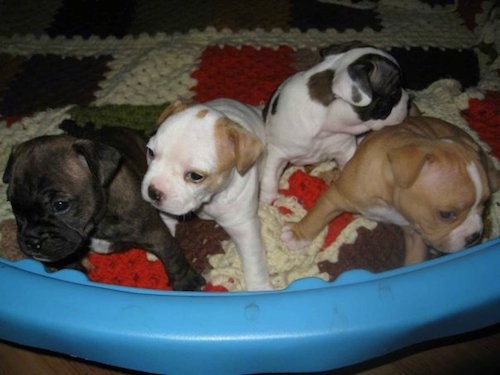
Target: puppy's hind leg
(415,248)
(272,169)
(298,235)
(181,275)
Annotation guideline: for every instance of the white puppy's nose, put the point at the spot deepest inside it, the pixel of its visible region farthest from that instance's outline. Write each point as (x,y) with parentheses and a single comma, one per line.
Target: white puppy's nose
(155,194)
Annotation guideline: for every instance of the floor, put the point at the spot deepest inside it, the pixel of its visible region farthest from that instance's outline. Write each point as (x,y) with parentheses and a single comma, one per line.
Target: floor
(474,353)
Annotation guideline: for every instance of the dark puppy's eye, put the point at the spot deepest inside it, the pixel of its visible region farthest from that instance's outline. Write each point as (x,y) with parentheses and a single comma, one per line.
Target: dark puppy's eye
(194,177)
(60,206)
(447,215)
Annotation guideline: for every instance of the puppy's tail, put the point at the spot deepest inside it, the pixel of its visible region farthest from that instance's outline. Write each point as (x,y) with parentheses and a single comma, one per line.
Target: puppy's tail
(70,127)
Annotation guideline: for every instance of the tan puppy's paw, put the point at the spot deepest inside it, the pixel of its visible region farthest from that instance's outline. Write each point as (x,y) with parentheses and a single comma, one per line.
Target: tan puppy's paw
(289,237)
(330,176)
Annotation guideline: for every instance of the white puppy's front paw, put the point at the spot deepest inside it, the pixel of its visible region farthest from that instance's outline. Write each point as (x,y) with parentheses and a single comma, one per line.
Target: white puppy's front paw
(255,287)
(291,241)
(266,197)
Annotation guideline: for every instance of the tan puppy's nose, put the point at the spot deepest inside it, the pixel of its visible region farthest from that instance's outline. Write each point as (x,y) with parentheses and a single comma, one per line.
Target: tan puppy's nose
(155,194)
(473,239)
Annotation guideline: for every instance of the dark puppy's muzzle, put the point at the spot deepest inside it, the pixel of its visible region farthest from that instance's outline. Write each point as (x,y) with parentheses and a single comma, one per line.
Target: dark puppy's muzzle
(49,244)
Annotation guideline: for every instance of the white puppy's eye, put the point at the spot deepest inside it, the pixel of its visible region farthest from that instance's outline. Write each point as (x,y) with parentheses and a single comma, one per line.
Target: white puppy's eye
(194,177)
(447,215)
(150,154)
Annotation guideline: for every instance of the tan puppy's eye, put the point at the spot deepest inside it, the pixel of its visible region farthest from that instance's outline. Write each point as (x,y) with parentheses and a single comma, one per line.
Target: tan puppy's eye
(447,215)
(194,177)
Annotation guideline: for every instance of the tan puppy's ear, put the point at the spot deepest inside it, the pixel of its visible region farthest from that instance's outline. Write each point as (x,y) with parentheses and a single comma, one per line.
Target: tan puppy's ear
(491,171)
(407,162)
(244,147)
(177,106)
(489,167)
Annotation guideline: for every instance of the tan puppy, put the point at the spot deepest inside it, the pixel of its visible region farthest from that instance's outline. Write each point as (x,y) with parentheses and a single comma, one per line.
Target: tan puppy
(425,175)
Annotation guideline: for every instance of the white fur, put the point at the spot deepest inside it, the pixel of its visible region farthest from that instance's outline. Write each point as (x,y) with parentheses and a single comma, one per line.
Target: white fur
(386,214)
(473,223)
(100,246)
(304,131)
(186,142)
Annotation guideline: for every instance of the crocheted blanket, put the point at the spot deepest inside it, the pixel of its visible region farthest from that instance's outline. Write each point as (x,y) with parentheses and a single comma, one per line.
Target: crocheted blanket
(120,62)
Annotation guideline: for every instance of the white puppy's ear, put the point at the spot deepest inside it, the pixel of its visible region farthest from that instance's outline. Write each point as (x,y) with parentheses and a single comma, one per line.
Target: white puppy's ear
(238,144)
(352,84)
(370,77)
(177,106)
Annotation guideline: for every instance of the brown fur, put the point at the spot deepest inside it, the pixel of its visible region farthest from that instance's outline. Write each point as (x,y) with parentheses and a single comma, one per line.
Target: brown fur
(236,145)
(175,107)
(387,170)
(320,87)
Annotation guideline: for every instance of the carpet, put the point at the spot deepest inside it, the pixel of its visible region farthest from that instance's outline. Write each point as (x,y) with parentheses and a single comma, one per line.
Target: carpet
(119,63)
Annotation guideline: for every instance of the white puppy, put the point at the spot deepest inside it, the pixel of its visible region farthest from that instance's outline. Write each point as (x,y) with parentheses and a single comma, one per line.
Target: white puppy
(316,114)
(204,159)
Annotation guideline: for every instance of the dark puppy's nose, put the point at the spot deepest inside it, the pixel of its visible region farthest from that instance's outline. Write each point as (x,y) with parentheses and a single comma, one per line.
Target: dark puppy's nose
(154,193)
(473,238)
(33,244)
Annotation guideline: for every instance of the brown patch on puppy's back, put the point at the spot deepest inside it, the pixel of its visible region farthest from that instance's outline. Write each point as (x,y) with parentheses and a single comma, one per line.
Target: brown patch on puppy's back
(320,87)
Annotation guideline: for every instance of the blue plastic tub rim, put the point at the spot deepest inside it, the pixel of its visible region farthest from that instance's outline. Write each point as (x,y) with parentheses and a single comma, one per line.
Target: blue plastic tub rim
(312,325)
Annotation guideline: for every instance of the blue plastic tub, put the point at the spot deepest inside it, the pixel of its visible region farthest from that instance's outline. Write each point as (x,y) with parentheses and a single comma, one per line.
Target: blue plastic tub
(310,326)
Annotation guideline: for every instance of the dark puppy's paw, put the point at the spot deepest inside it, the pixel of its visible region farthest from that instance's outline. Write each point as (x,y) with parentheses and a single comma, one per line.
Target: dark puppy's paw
(191,281)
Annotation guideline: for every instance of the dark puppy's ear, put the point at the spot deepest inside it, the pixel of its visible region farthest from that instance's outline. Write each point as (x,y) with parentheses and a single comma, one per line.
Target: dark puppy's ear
(335,49)
(7,173)
(14,153)
(102,160)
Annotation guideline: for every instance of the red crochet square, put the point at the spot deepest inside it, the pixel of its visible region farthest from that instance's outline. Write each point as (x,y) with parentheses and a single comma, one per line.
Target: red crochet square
(247,74)
(483,117)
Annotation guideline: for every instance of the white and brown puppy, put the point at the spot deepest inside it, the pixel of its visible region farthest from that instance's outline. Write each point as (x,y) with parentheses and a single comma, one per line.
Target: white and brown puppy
(204,159)
(425,175)
(315,115)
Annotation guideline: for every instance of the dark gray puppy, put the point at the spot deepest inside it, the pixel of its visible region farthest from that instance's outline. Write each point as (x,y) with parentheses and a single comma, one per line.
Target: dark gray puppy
(69,192)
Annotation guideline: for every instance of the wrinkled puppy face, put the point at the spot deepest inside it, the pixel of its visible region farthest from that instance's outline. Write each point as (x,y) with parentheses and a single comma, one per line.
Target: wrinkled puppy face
(194,156)
(54,196)
(443,193)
